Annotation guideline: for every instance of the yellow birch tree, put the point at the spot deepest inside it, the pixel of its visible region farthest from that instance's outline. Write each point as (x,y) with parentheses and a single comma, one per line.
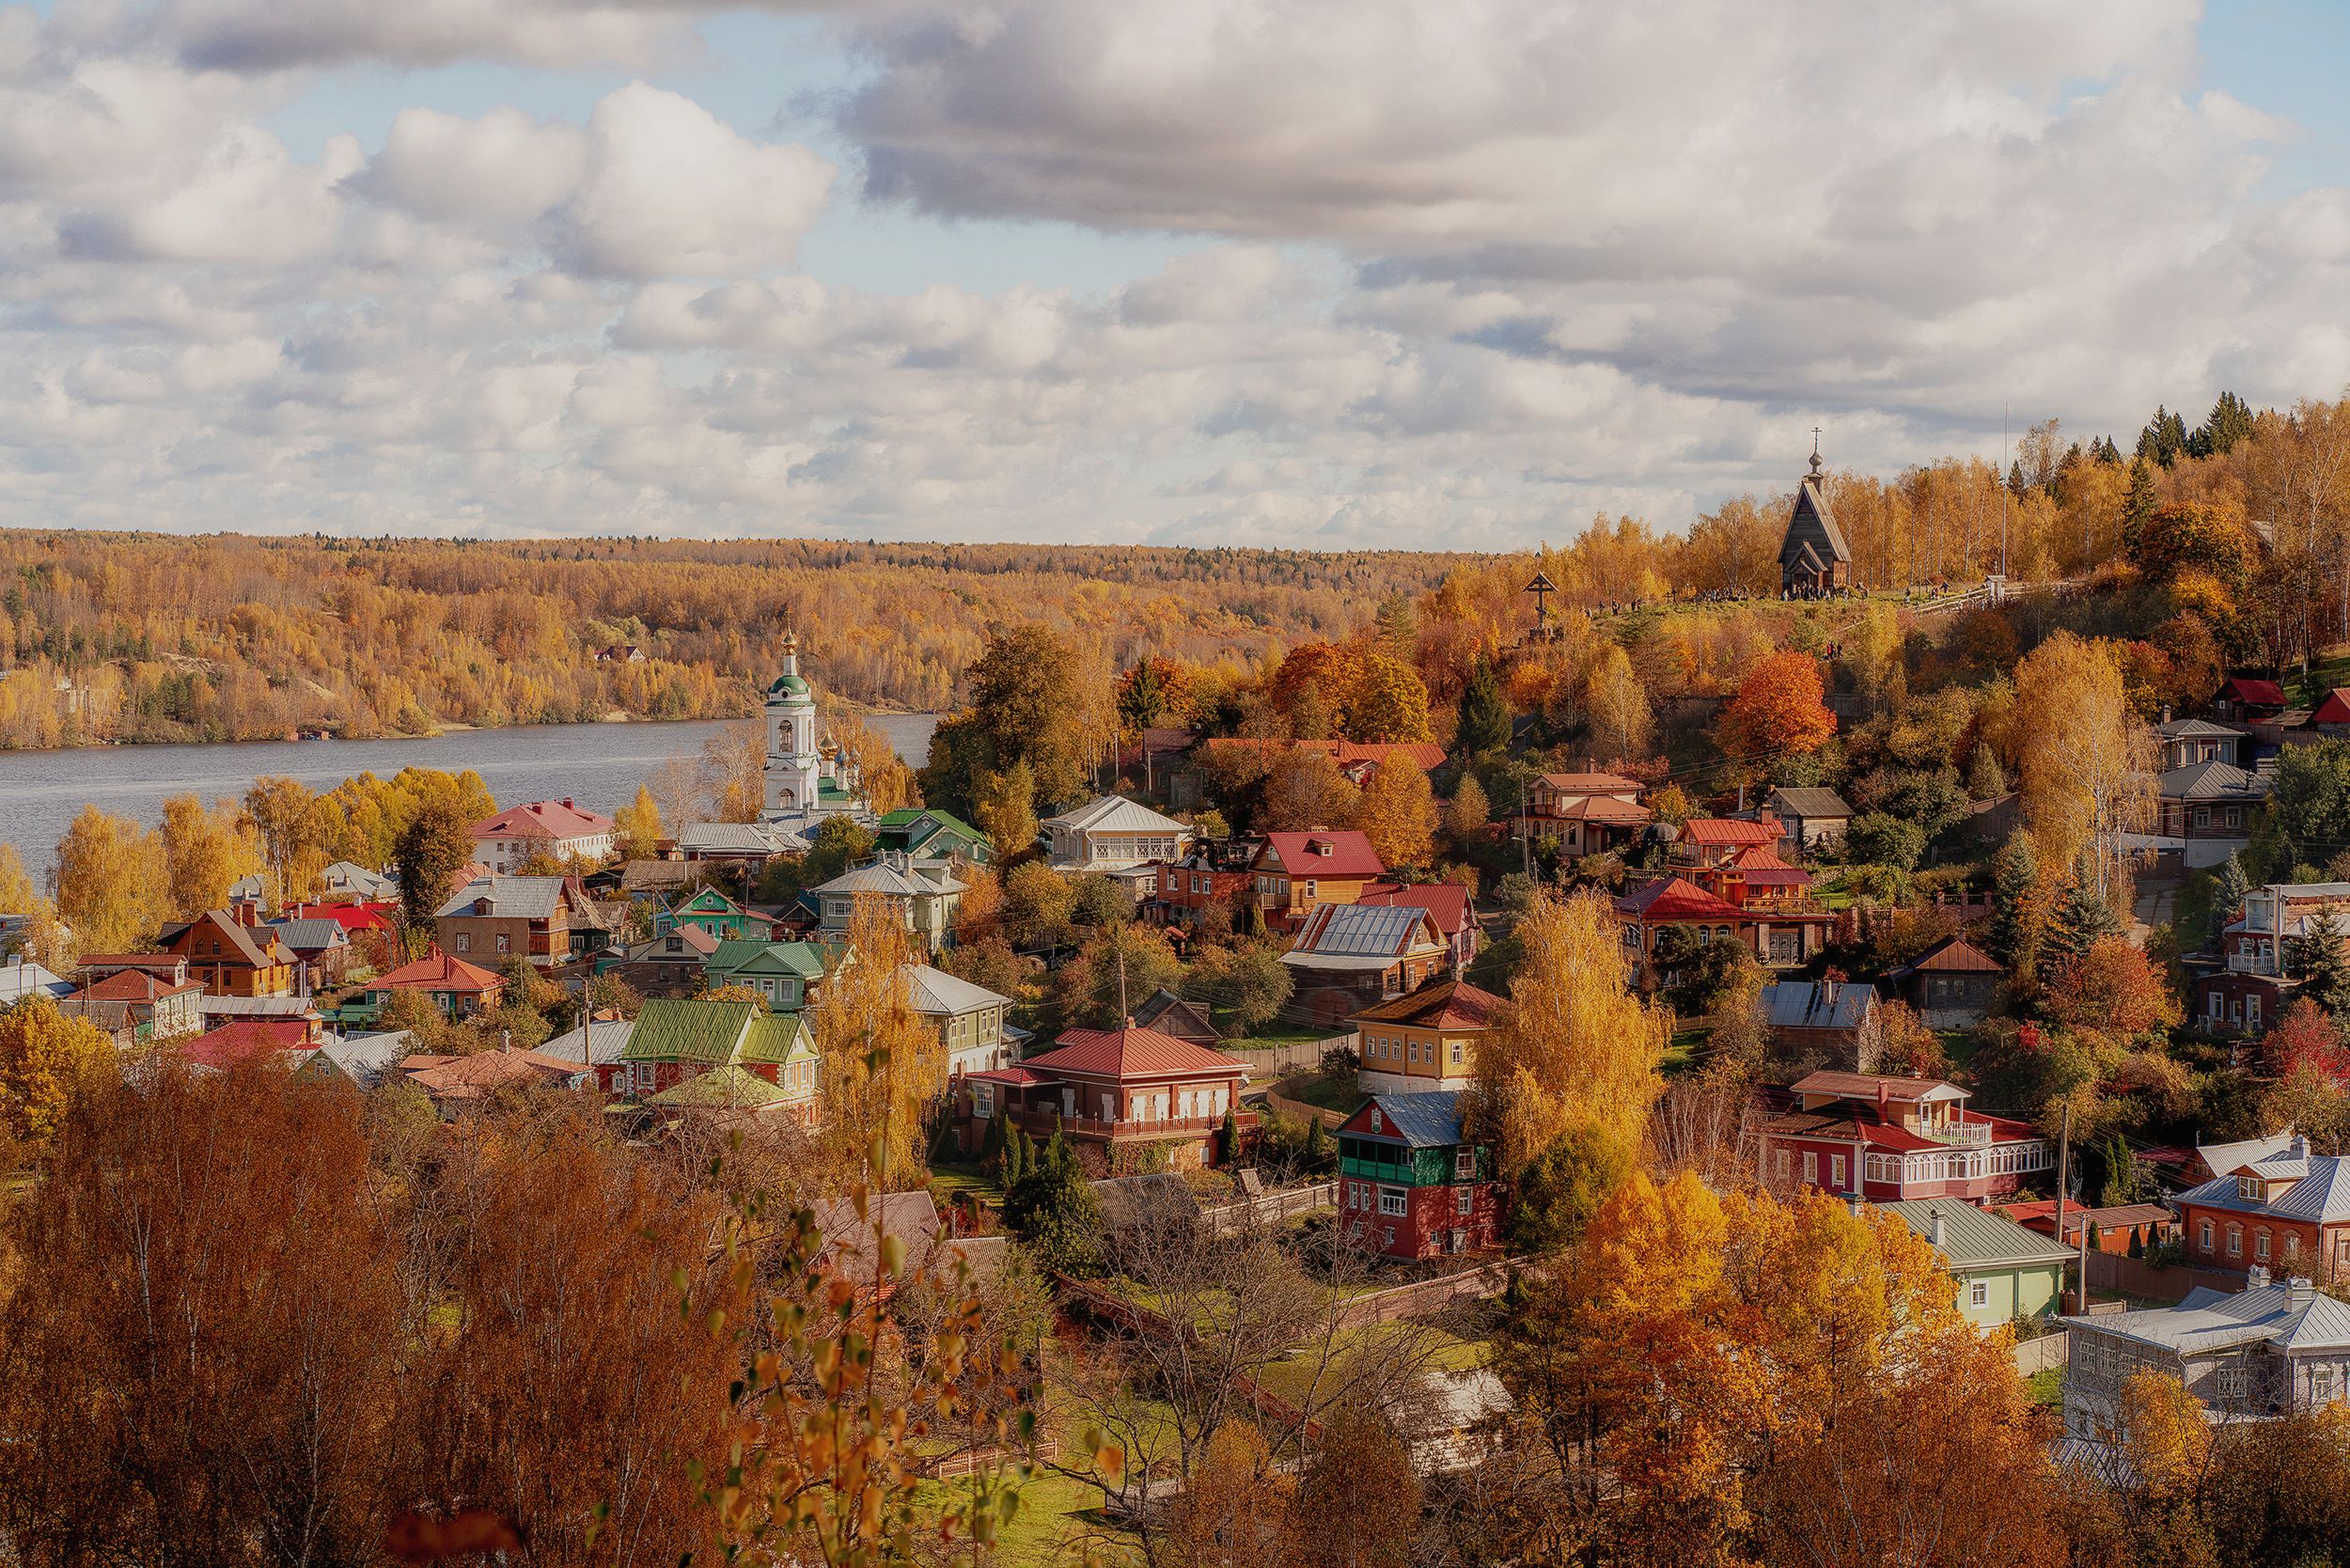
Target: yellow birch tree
(882,1061)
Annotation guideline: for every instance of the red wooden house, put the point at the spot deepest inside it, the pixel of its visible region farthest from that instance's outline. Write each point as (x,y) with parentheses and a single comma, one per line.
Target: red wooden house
(1888,1139)
(1410,1182)
(2288,1210)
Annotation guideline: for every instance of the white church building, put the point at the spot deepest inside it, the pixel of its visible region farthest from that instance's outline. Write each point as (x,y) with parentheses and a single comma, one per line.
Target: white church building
(808,778)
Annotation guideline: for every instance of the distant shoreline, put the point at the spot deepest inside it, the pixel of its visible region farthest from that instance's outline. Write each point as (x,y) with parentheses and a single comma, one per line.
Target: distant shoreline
(454,727)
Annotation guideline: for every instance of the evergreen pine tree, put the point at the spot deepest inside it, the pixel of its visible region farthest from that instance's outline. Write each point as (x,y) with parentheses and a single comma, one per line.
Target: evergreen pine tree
(1484,723)
(2082,917)
(1985,779)
(1320,1154)
(2226,897)
(2317,956)
(2014,918)
(1054,1212)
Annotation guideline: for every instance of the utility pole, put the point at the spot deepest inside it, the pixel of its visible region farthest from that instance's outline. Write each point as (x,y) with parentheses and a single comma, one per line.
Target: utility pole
(2064,1156)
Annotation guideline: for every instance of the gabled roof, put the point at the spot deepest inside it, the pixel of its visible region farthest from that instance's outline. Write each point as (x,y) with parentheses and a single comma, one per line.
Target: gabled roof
(1447,902)
(934,992)
(745,839)
(1592,783)
(1809,801)
(753,955)
(2258,692)
(698,1031)
(2335,709)
(1898,1088)
(887,880)
(510,898)
(2208,1320)
(1725,831)
(1115,814)
(919,824)
(544,818)
(1364,931)
(478,1077)
(1416,1120)
(1439,1004)
(1674,898)
(351,917)
(1976,1238)
(258,947)
(2212,780)
(2197,729)
(1323,852)
(1166,1012)
(440,972)
(723,1086)
(2226,1159)
(1817,1004)
(775,1040)
(1809,520)
(345,875)
(2323,1194)
(134,985)
(1953,955)
(1130,1052)
(606,1039)
(311,935)
(678,943)
(364,1057)
(23,977)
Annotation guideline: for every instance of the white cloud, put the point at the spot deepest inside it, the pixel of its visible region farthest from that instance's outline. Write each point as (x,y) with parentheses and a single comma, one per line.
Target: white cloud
(504,166)
(671,188)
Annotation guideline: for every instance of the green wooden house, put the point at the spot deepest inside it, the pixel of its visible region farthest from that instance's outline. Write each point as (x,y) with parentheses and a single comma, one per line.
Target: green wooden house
(713,912)
(926,833)
(675,1041)
(786,973)
(1411,1184)
(2003,1271)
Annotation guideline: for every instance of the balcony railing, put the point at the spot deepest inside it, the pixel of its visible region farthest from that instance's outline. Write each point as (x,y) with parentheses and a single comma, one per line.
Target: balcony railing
(2252,964)
(1959,1135)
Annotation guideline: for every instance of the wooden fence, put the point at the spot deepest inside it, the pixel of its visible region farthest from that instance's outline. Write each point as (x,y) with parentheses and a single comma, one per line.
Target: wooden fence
(1270,1209)
(2043,1353)
(2127,1275)
(1289,1056)
(1425,1295)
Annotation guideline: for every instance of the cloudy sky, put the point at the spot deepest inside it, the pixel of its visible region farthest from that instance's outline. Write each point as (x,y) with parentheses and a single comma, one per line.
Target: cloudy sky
(1314,272)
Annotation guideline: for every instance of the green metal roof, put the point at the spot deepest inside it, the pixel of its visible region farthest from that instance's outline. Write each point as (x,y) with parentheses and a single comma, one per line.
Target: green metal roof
(721,1086)
(1976,1239)
(776,1039)
(907,818)
(699,1030)
(789,686)
(749,955)
(827,790)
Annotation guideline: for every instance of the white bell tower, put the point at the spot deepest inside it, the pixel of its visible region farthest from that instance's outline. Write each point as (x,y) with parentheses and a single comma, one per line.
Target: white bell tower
(793,767)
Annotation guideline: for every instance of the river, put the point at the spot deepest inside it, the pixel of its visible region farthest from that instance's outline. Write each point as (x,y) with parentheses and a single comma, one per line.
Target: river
(599,765)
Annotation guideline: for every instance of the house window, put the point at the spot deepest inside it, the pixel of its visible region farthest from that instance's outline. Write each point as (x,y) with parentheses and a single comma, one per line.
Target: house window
(2204,1236)
(2321,1384)
(982,1100)
(1811,1168)
(464,943)
(1836,1165)
(1465,1166)
(1977,1292)
(2260,1245)
(2232,1382)
(1386,1235)
(1465,1201)
(1393,1201)
(504,942)
(1786,1165)
(1456,1053)
(2202,816)
(2235,1240)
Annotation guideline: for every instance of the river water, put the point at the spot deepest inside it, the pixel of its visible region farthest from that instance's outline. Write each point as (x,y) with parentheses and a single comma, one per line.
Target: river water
(599,765)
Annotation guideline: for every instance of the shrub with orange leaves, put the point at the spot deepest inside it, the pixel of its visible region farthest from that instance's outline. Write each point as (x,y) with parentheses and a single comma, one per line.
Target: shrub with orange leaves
(1779,711)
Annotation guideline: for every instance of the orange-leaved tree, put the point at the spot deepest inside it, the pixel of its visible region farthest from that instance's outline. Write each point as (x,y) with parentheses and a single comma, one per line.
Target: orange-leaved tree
(1779,711)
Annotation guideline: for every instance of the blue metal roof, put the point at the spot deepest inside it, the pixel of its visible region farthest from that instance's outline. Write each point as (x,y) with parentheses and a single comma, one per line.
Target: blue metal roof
(1421,1120)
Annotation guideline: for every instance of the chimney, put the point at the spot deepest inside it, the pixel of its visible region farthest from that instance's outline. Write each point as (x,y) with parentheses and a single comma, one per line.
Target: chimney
(1933,1229)
(567,802)
(2299,1294)
(2300,1150)
(1853,1204)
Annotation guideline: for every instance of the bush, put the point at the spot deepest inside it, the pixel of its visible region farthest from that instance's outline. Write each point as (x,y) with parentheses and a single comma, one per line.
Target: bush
(1881,838)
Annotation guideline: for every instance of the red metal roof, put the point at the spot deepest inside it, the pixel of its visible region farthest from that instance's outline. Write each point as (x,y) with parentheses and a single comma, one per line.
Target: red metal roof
(1016,1076)
(1324,853)
(1447,902)
(2261,694)
(351,917)
(134,985)
(1954,955)
(543,819)
(440,971)
(1130,1053)
(2335,709)
(1731,830)
(1672,897)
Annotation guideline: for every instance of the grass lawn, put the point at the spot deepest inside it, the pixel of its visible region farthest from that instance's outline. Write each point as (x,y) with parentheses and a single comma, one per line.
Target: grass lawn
(1051,1509)
(1681,1052)
(948,1179)
(2047,1388)
(1338,1094)
(1293,1379)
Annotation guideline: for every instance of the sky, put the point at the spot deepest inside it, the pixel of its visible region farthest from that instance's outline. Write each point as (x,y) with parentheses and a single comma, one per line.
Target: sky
(1313,273)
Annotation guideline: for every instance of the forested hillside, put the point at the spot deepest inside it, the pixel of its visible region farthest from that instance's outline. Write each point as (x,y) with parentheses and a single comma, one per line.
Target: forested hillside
(149,638)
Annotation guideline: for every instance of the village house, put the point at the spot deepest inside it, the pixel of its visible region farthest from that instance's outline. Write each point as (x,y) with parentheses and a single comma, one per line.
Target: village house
(1753,876)
(1212,874)
(1411,1184)
(2244,699)
(927,896)
(2286,1210)
(669,965)
(2209,809)
(969,1019)
(1586,812)
(1780,936)
(2003,1272)
(677,1040)
(713,912)
(926,833)
(459,989)
(1890,1139)
(22,979)
(458,1084)
(1425,1041)
(726,1094)
(320,949)
(1168,1013)
(346,882)
(2186,742)
(742,847)
(359,1061)
(1351,956)
(1951,985)
(2279,1347)
(1813,559)
(1111,1090)
(1832,1023)
(1701,841)
(497,918)
(2127,1229)
(138,1007)
(599,1045)
(2249,990)
(1448,904)
(785,974)
(1112,833)
(1297,871)
(227,958)
(542,829)
(1808,818)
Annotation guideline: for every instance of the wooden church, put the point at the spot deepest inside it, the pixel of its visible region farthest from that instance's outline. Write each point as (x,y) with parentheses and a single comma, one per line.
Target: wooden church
(1812,558)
